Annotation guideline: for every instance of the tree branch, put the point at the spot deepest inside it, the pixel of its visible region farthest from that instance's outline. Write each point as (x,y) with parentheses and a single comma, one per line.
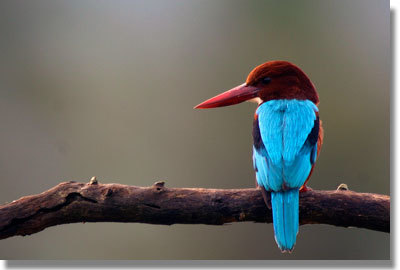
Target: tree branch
(71,202)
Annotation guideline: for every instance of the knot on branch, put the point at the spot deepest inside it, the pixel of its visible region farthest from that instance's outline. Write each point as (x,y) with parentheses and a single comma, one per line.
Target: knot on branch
(159,185)
(93,181)
(342,187)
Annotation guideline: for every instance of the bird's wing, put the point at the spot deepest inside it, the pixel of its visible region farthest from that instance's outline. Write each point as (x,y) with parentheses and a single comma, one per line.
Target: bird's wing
(289,132)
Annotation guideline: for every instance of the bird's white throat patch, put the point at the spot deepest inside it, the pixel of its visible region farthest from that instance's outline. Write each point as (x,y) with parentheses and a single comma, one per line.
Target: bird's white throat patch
(255,100)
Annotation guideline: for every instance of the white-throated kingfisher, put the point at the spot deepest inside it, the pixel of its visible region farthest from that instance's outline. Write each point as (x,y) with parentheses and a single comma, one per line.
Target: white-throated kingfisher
(287,136)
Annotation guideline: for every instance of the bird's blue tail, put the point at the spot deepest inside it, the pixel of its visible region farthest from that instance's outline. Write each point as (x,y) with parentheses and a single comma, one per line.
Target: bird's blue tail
(285,214)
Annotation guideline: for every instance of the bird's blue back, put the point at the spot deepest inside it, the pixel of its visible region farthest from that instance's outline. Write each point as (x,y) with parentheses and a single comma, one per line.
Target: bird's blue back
(285,148)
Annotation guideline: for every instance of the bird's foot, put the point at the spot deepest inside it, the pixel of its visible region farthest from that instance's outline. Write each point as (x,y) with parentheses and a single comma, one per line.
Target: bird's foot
(267,196)
(304,188)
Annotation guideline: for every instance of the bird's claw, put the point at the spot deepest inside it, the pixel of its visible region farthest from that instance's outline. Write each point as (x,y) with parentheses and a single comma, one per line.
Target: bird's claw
(304,188)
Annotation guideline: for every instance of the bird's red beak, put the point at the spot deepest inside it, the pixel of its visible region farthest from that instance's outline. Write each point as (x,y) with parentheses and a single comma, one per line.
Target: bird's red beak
(236,95)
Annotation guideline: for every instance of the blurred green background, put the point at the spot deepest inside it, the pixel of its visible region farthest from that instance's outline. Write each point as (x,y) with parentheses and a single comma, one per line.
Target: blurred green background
(107,88)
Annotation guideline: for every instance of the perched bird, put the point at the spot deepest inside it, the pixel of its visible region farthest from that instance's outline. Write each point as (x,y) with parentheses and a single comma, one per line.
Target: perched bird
(287,134)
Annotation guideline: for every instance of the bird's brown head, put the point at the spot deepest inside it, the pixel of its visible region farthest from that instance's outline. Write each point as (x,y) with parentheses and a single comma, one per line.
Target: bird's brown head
(271,80)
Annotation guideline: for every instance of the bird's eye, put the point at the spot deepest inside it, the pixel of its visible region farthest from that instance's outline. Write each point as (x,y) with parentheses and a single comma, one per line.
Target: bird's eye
(266,80)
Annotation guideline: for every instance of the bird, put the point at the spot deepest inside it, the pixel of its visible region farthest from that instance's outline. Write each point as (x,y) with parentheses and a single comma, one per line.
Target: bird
(287,138)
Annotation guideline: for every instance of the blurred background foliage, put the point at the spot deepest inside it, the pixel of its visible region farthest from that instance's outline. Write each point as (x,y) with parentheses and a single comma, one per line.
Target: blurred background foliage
(107,88)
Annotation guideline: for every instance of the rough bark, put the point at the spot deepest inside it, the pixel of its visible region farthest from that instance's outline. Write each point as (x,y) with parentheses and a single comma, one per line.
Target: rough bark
(71,202)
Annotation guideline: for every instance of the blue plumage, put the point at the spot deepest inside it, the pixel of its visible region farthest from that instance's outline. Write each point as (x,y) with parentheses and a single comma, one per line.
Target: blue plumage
(284,158)
(285,213)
